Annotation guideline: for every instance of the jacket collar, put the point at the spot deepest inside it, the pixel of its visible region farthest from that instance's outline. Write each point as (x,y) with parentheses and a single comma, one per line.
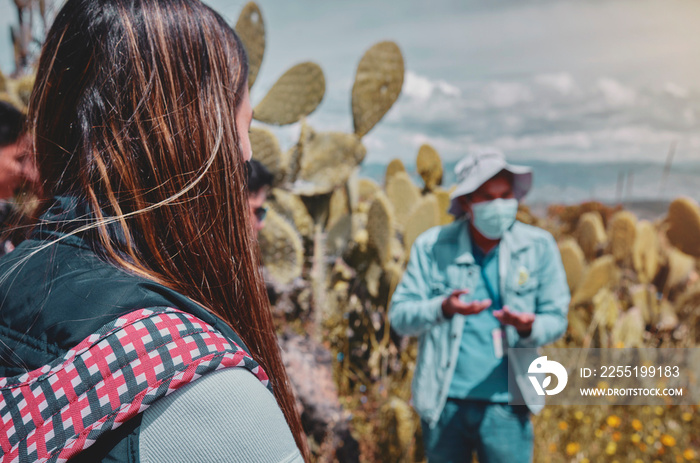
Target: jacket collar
(514,240)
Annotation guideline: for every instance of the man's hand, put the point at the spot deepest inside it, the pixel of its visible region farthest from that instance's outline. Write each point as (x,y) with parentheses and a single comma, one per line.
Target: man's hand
(522,321)
(452,304)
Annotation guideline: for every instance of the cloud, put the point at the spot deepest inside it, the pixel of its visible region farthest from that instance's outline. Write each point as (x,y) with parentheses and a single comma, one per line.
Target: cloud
(615,93)
(422,88)
(562,82)
(676,90)
(507,94)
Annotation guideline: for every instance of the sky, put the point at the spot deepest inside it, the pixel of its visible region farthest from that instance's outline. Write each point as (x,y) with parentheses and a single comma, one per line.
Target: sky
(559,81)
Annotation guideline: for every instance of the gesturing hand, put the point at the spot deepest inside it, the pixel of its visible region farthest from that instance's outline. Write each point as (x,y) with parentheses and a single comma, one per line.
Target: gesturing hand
(522,321)
(452,304)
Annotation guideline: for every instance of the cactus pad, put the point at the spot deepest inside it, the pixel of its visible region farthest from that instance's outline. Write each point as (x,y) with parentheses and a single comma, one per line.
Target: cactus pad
(292,208)
(622,234)
(602,273)
(395,165)
(645,253)
(380,227)
(429,166)
(591,234)
(338,206)
(266,149)
(684,225)
(443,198)
(282,249)
(424,216)
(295,95)
(327,160)
(404,196)
(378,83)
(251,30)
(574,262)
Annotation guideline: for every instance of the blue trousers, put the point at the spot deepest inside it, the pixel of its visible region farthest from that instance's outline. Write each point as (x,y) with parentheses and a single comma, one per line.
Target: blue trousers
(498,433)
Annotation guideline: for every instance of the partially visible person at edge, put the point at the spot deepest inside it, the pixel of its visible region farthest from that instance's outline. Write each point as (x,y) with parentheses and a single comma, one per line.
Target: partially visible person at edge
(16,168)
(471,290)
(259,183)
(140,118)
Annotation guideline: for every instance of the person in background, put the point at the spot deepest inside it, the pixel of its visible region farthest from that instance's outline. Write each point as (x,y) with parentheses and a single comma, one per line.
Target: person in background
(16,168)
(259,183)
(134,324)
(472,290)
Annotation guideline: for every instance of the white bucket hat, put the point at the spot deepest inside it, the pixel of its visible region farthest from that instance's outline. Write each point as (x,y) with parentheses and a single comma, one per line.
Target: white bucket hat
(479,167)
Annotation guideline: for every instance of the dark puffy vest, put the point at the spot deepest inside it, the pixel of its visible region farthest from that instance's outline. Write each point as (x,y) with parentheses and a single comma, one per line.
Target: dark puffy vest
(60,305)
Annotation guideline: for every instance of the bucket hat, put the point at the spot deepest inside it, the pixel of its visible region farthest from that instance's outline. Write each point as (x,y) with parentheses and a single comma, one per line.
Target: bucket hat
(479,167)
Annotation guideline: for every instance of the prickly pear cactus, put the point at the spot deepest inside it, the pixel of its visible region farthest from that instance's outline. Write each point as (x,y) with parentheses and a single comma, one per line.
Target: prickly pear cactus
(684,225)
(292,208)
(629,329)
(574,262)
(602,273)
(429,166)
(443,198)
(295,95)
(266,149)
(338,207)
(623,231)
(680,268)
(424,216)
(644,297)
(378,83)
(396,430)
(380,227)
(606,308)
(282,249)
(338,236)
(591,234)
(404,196)
(362,190)
(645,253)
(395,165)
(251,30)
(327,160)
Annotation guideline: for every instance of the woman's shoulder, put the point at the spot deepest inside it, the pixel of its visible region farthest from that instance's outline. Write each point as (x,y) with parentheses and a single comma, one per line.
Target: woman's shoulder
(230,416)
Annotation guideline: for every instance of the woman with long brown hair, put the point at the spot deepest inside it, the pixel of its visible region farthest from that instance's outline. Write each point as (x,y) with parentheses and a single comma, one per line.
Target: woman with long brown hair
(140,118)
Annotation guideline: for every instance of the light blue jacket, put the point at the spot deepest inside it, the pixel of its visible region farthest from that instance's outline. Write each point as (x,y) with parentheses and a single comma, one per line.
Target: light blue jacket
(531,277)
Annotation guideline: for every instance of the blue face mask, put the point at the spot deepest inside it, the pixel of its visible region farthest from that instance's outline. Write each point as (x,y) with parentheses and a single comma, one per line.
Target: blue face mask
(493,218)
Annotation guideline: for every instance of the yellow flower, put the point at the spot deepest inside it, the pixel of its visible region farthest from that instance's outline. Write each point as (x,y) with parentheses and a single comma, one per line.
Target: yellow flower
(689,454)
(659,410)
(613,421)
(638,460)
(668,441)
(636,438)
(611,448)
(552,448)
(656,422)
(572,448)
(602,385)
(616,436)
(585,460)
(650,440)
(643,447)
(637,425)
(563,425)
(598,433)
(578,415)
(687,416)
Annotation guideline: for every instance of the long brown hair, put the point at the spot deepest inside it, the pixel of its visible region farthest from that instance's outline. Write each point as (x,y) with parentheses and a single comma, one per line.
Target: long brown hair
(134,112)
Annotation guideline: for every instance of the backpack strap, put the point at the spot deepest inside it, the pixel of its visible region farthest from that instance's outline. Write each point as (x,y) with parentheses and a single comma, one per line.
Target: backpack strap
(54,412)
